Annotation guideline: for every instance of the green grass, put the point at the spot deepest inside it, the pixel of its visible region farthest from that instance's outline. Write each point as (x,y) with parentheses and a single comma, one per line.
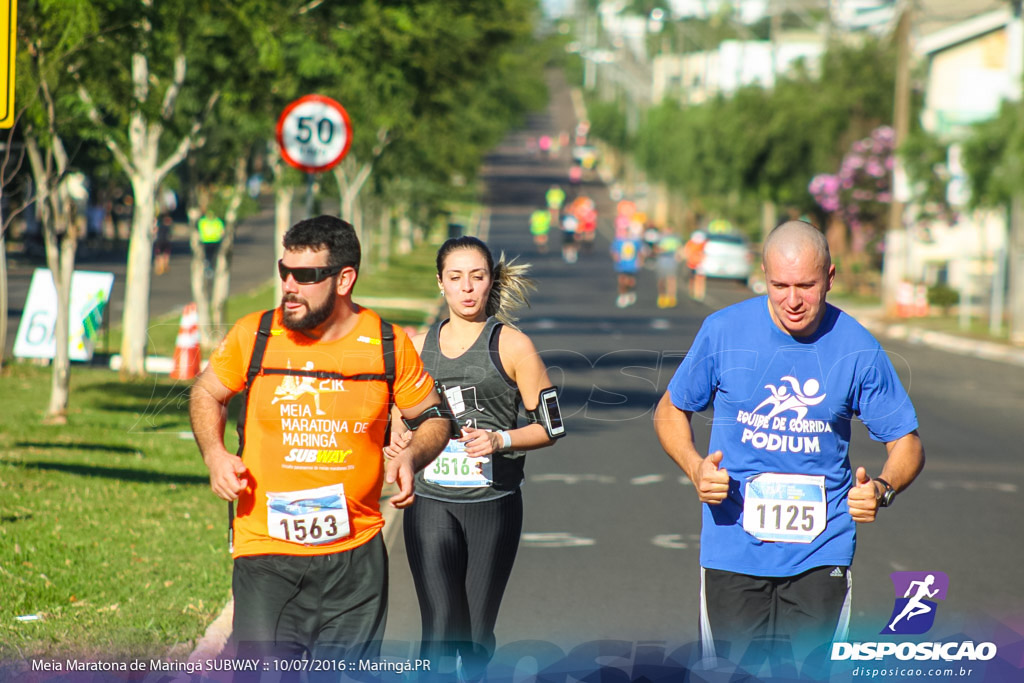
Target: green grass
(109,533)
(108,529)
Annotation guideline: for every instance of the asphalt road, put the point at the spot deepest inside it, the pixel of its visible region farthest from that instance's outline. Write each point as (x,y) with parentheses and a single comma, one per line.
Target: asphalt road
(611,536)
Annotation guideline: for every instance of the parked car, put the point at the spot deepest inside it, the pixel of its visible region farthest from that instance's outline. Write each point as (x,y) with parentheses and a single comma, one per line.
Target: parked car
(727,256)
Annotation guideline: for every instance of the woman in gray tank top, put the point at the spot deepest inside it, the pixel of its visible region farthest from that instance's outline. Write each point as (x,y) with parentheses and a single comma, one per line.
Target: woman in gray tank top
(462,532)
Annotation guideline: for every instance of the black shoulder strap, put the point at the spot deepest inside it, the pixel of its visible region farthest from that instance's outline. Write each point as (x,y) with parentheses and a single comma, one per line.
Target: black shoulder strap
(259,348)
(387,347)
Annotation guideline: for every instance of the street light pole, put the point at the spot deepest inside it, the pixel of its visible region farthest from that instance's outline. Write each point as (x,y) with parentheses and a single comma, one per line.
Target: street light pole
(897,240)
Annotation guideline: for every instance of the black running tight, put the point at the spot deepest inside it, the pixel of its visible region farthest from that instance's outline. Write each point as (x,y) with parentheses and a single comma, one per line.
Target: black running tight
(461,556)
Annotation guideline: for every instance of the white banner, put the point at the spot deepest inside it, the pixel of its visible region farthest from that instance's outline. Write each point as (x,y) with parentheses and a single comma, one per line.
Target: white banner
(90,292)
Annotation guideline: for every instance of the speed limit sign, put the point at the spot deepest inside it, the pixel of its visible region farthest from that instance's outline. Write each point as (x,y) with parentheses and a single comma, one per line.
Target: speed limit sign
(314,133)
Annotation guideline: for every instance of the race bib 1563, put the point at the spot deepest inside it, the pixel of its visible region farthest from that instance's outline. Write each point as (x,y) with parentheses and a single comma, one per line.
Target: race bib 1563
(309,517)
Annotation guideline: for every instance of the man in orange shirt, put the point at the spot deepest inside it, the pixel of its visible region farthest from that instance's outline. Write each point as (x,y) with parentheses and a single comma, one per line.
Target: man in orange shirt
(319,375)
(693,252)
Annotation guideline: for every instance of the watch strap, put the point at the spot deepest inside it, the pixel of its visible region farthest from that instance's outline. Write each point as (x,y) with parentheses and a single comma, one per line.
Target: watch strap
(885,498)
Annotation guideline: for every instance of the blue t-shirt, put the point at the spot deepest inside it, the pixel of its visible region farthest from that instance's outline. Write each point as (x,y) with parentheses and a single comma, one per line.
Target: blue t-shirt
(627,255)
(784,405)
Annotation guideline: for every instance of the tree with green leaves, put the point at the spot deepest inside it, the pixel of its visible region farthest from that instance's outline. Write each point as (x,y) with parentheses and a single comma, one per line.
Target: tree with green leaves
(48,44)
(728,155)
(151,115)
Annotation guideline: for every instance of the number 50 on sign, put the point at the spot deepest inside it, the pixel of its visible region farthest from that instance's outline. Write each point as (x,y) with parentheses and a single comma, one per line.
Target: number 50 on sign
(314,133)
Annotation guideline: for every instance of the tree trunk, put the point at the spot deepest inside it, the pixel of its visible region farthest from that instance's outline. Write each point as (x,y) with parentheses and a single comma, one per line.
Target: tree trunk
(200,293)
(350,182)
(222,272)
(135,321)
(60,382)
(283,198)
(384,252)
(839,248)
(284,195)
(60,237)
(404,245)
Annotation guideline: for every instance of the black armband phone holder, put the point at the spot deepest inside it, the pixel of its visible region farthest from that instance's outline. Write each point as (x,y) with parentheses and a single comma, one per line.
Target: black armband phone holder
(548,413)
(442,410)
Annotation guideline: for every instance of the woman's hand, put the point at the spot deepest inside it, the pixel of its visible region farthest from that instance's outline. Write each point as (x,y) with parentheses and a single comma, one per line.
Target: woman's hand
(480,442)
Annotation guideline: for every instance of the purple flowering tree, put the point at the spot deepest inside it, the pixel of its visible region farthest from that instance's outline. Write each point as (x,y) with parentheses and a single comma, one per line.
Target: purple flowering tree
(860,194)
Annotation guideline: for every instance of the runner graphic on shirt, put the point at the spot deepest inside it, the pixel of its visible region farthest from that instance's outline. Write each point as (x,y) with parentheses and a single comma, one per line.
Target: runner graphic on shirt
(781,400)
(291,388)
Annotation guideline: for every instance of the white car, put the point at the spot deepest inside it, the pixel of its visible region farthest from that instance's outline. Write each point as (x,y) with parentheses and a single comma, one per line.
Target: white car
(727,256)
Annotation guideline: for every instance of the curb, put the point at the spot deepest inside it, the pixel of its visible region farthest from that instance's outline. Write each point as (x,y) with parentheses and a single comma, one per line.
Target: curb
(951,343)
(216,636)
(873,320)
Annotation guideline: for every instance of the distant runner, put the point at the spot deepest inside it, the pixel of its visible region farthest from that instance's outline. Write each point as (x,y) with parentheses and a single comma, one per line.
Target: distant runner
(626,253)
(540,226)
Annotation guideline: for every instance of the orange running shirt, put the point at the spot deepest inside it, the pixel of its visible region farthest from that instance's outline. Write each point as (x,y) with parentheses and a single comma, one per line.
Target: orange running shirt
(305,433)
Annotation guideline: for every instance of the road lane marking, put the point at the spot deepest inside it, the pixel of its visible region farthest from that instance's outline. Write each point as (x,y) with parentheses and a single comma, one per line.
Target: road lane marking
(555,539)
(647,479)
(973,486)
(661,324)
(674,541)
(574,478)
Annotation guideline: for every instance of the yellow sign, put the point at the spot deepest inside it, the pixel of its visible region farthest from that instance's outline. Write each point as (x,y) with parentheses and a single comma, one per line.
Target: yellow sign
(8,35)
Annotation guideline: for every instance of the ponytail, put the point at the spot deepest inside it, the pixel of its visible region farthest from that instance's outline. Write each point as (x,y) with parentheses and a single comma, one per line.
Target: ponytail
(509,290)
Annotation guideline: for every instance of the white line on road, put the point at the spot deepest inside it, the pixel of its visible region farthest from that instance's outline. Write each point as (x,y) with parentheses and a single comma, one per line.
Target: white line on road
(574,478)
(674,541)
(1000,486)
(660,324)
(685,481)
(556,539)
(647,479)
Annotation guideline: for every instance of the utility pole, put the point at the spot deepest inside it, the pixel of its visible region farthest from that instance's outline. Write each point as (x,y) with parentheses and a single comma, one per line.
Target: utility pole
(897,240)
(1015,246)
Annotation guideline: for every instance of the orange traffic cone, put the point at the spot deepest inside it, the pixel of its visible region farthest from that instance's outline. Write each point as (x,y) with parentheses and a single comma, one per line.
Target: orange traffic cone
(186,348)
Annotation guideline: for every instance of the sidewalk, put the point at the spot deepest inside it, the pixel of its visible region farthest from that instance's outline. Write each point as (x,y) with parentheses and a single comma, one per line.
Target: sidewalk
(874,319)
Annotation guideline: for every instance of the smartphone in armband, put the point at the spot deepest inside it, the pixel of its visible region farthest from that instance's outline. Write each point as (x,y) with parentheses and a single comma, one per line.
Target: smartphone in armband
(550,414)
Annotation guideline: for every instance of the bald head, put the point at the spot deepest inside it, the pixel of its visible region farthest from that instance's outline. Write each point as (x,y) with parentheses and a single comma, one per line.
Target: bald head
(794,238)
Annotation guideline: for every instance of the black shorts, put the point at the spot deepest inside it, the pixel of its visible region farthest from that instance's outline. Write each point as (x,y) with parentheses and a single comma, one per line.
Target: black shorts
(741,613)
(332,605)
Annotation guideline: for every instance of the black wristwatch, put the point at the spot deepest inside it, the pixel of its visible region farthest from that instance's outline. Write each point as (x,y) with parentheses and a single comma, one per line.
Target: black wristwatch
(887,495)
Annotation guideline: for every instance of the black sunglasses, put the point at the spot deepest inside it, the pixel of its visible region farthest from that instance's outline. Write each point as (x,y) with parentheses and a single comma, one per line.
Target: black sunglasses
(307,276)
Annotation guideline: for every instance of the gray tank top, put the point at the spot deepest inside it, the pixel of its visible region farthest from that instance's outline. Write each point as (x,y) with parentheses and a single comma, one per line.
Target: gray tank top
(481,395)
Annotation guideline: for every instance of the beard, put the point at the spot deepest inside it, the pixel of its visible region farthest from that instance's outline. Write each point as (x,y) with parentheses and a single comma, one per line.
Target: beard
(313,316)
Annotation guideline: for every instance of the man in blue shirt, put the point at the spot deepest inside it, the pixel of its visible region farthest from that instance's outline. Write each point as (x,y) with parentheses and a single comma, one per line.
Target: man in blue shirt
(785,375)
(628,257)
